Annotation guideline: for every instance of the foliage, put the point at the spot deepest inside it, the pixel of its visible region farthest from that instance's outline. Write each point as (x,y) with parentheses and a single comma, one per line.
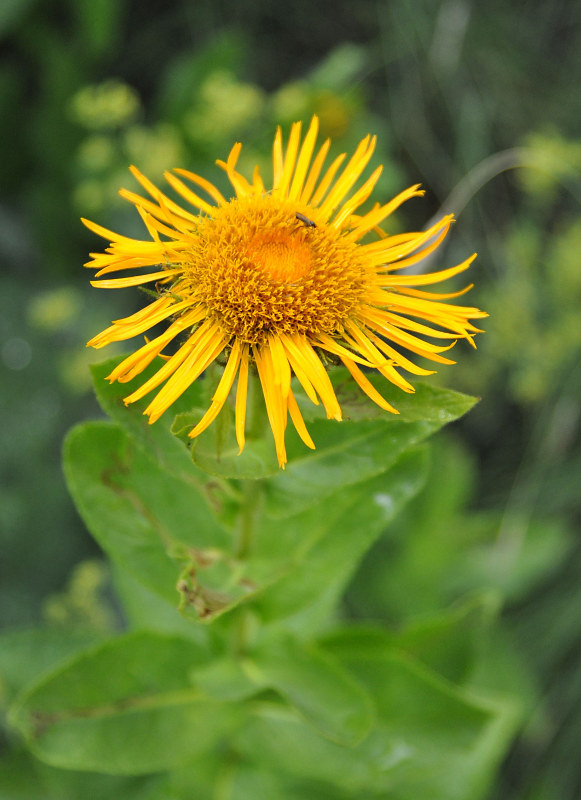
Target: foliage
(274,688)
(447,86)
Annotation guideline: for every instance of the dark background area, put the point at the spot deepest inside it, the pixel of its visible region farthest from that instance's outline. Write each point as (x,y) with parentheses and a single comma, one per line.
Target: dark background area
(478,101)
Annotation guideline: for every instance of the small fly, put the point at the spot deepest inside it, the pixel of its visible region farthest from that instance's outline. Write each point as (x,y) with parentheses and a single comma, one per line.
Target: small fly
(308,223)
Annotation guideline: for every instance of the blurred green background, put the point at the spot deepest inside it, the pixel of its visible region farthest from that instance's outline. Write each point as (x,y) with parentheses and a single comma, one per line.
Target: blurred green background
(479,102)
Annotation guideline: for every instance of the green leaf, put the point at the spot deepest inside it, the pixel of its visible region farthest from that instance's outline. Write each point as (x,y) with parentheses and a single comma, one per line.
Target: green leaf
(157,527)
(26,655)
(23,777)
(344,458)
(309,680)
(456,737)
(156,440)
(430,741)
(123,498)
(146,521)
(216,450)
(249,783)
(315,684)
(320,496)
(450,642)
(428,402)
(146,610)
(465,644)
(345,451)
(19,779)
(341,528)
(124,708)
(368,441)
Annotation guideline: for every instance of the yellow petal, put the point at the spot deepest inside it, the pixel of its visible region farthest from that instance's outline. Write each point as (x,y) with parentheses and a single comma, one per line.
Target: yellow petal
(217,196)
(304,160)
(135,280)
(379,214)
(241,397)
(275,409)
(327,180)
(188,195)
(350,175)
(221,392)
(315,171)
(298,421)
(368,387)
(290,157)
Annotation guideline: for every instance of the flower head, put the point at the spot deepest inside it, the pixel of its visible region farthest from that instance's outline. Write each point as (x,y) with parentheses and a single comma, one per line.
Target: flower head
(274,278)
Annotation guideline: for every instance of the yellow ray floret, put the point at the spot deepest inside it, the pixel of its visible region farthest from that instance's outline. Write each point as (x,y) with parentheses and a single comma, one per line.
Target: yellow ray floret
(274,278)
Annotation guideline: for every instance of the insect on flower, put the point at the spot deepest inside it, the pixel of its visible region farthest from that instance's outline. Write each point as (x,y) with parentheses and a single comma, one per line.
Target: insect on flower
(308,223)
(236,281)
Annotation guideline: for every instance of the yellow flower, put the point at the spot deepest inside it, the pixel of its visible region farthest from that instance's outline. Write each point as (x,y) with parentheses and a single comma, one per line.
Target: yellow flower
(274,278)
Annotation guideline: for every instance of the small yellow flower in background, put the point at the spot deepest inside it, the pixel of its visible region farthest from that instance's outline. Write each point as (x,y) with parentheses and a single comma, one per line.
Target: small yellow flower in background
(271,277)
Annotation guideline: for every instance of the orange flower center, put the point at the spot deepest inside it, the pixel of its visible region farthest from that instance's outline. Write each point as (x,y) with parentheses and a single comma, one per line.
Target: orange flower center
(282,258)
(260,271)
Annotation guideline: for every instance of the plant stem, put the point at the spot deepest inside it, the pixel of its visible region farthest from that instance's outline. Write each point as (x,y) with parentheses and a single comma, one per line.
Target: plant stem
(251,489)
(255,407)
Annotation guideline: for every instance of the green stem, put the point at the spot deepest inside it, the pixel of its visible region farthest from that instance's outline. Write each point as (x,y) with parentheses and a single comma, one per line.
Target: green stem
(256,415)
(251,489)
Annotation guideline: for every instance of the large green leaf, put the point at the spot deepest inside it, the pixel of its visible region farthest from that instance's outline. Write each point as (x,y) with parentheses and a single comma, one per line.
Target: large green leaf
(147,521)
(23,777)
(302,520)
(368,441)
(250,783)
(363,445)
(455,736)
(347,452)
(428,402)
(315,684)
(26,655)
(451,642)
(342,528)
(123,497)
(157,527)
(216,450)
(308,679)
(431,740)
(156,440)
(126,708)
(144,609)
